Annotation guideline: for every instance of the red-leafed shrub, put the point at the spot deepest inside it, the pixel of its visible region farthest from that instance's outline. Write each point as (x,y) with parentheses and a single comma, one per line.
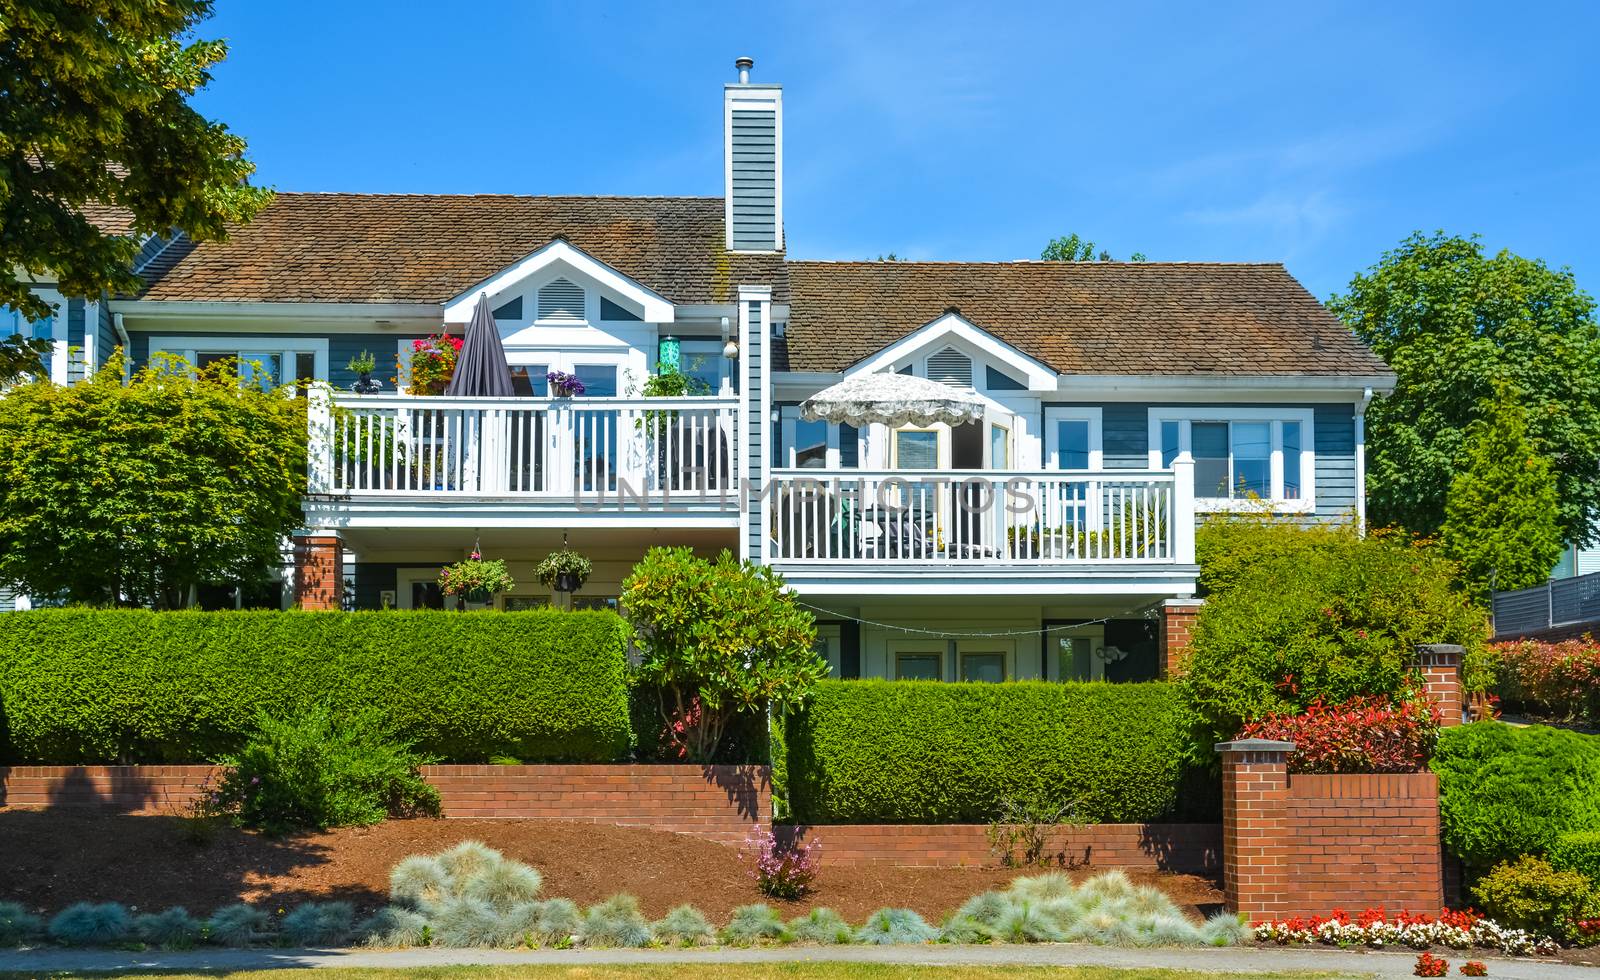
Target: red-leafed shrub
(1553,680)
(1362,734)
(1429,965)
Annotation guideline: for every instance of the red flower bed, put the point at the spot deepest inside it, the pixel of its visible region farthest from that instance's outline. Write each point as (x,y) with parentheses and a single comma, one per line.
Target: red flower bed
(1363,734)
(1559,680)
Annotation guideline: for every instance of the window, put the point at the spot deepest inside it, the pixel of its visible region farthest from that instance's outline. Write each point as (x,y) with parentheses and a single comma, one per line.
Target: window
(509,310)
(999,447)
(1072,438)
(1240,455)
(828,645)
(950,367)
(989,668)
(703,361)
(253,367)
(264,361)
(530,380)
(916,449)
(561,300)
(813,445)
(615,311)
(1000,381)
(810,449)
(917,667)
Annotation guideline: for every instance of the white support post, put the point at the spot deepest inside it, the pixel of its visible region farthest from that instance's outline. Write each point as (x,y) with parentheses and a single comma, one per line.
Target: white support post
(319,439)
(1183,509)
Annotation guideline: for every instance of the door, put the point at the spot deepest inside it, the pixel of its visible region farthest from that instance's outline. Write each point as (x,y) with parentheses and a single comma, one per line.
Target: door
(1076,653)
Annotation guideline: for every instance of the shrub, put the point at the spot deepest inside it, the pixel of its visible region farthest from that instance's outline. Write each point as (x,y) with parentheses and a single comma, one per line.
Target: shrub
(1505,791)
(933,752)
(172,928)
(685,926)
(616,922)
(752,923)
(781,870)
(1363,734)
(319,924)
(1578,851)
(1530,894)
(719,639)
(1555,680)
(92,686)
(895,927)
(18,925)
(315,771)
(823,926)
(238,925)
(87,924)
(1318,614)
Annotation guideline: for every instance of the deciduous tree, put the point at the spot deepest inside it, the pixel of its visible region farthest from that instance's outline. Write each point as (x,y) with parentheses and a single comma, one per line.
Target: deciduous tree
(1075,249)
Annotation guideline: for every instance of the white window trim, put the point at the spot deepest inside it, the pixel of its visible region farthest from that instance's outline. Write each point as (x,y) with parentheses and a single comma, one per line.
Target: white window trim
(941,445)
(790,421)
(286,347)
(1185,417)
(1075,413)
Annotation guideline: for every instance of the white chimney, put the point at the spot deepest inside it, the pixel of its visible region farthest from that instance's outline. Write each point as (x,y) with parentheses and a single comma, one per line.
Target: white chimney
(753,163)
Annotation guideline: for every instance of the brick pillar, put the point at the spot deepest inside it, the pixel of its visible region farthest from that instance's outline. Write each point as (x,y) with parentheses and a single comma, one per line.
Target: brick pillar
(1177,622)
(1440,664)
(319,571)
(1255,843)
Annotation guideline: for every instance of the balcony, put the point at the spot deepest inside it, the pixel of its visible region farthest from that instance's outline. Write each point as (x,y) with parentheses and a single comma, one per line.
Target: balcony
(491,459)
(1017,531)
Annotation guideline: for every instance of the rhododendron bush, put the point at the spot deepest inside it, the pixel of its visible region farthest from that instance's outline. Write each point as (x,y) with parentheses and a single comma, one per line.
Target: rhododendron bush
(1554,680)
(1361,734)
(1375,927)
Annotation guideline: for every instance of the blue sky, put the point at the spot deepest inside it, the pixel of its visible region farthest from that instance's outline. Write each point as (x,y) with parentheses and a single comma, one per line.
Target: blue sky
(1315,135)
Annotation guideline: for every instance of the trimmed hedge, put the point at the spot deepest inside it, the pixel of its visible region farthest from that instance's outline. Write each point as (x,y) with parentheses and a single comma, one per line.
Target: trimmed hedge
(867,751)
(97,686)
(1578,851)
(1506,791)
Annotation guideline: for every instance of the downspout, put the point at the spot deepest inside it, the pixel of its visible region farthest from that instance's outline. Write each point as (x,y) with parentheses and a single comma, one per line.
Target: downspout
(1361,460)
(127,349)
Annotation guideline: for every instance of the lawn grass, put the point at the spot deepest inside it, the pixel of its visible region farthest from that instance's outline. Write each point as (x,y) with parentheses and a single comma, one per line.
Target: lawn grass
(713,971)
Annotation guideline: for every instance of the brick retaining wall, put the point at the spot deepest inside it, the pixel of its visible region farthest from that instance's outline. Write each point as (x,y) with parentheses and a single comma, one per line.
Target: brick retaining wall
(1363,841)
(1186,848)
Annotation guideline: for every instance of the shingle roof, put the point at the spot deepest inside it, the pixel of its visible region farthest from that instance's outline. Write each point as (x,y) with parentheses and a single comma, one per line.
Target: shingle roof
(428,248)
(109,218)
(1125,318)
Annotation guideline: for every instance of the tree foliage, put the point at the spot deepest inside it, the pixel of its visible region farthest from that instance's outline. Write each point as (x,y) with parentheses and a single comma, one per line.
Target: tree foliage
(1501,518)
(1453,323)
(113,492)
(96,119)
(1075,249)
(719,638)
(22,359)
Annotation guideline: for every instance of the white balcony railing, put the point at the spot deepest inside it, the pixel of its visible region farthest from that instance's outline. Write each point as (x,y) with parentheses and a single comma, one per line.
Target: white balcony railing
(386,445)
(1046,517)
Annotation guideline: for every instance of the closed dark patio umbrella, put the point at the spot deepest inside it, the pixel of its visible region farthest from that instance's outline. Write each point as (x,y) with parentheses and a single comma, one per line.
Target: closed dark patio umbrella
(481,368)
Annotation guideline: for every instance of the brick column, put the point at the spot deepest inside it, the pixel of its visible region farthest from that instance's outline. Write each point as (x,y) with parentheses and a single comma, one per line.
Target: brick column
(1177,622)
(1440,664)
(1255,842)
(318,571)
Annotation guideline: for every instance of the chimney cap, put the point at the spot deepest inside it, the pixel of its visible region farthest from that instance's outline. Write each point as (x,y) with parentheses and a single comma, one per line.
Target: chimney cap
(744,64)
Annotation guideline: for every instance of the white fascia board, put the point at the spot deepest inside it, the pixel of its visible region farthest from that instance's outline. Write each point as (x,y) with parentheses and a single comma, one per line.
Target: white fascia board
(298,311)
(657,308)
(1039,376)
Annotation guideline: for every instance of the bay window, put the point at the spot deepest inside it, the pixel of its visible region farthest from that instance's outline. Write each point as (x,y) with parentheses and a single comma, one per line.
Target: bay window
(1242,456)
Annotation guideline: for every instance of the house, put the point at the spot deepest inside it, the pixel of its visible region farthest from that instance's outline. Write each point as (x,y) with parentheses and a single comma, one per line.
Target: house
(1052,538)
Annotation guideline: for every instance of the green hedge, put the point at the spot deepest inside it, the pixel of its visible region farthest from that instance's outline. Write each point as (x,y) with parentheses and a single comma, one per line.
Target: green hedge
(87,686)
(932,752)
(1506,791)
(1578,851)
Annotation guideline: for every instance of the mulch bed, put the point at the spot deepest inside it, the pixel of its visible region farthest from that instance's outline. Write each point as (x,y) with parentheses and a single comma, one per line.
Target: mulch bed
(52,858)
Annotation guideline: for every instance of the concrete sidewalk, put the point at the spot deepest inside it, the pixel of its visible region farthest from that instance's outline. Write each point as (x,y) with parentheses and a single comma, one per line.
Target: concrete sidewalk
(1232,962)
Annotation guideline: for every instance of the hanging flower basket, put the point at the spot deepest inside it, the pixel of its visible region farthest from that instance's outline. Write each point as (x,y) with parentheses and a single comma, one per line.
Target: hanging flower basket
(475,580)
(564,571)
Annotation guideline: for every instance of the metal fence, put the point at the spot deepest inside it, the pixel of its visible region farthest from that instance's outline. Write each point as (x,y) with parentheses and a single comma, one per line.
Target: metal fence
(1558,602)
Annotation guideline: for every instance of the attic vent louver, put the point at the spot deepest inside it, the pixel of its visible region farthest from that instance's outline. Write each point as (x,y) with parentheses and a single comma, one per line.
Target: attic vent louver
(561,300)
(951,367)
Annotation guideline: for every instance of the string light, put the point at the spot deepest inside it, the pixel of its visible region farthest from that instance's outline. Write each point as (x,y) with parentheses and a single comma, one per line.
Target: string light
(947,634)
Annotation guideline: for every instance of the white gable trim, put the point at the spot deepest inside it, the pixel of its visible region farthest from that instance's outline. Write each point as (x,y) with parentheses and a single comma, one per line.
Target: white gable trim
(1037,376)
(657,309)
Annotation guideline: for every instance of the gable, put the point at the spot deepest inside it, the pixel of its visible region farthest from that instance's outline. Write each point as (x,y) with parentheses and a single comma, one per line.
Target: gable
(956,351)
(555,284)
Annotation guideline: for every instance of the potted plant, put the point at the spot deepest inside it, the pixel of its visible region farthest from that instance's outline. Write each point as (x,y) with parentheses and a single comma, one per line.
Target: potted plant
(361,366)
(564,385)
(475,580)
(433,361)
(564,570)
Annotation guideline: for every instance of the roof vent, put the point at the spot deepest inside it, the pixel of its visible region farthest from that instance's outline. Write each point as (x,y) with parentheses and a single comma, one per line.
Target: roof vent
(561,300)
(744,65)
(950,367)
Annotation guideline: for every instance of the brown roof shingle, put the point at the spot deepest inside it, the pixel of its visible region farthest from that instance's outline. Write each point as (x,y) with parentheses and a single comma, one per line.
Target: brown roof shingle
(428,248)
(1123,318)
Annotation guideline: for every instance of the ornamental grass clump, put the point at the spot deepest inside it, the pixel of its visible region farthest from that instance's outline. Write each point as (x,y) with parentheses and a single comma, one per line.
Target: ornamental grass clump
(172,928)
(684,926)
(1226,929)
(615,922)
(964,930)
(1023,922)
(393,926)
(823,926)
(17,925)
(753,923)
(470,923)
(239,925)
(88,924)
(319,924)
(558,921)
(895,927)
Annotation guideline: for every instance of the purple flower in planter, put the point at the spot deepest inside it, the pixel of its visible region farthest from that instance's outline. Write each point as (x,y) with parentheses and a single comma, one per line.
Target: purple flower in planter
(565,385)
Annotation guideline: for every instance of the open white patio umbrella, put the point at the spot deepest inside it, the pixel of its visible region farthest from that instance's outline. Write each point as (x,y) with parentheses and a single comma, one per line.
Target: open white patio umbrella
(892,399)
